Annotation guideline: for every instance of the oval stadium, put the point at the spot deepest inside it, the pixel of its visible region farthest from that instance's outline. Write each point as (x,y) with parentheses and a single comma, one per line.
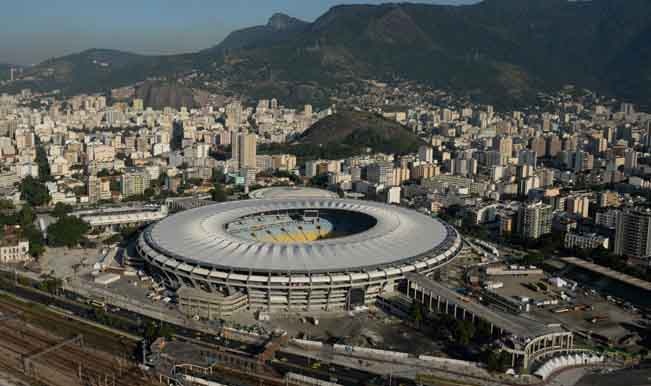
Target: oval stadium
(307,254)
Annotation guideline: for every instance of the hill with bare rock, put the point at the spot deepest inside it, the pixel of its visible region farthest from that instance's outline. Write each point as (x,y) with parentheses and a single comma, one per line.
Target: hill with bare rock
(358,130)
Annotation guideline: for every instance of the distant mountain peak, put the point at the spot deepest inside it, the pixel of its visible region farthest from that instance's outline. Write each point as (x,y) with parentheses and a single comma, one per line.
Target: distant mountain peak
(281,22)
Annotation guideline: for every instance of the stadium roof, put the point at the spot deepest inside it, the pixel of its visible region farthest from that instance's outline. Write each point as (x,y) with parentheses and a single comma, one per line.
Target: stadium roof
(199,236)
(285,192)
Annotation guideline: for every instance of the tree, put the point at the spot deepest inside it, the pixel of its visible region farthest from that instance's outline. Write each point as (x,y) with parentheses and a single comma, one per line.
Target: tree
(43,164)
(464,331)
(26,216)
(103,173)
(35,238)
(51,285)
(34,192)
(61,210)
(6,204)
(320,180)
(416,313)
(218,193)
(218,176)
(498,361)
(148,194)
(68,231)
(114,185)
(154,331)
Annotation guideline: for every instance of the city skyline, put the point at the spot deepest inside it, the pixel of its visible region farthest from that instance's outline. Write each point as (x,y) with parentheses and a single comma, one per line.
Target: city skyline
(146,27)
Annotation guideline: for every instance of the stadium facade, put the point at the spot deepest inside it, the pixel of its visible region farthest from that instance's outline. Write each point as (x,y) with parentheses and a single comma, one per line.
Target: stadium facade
(287,254)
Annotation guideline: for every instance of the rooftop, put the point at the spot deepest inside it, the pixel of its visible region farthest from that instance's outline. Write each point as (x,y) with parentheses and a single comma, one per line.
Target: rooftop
(200,236)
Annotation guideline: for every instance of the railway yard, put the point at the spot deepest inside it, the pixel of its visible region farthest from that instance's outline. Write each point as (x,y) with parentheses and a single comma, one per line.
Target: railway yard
(39,345)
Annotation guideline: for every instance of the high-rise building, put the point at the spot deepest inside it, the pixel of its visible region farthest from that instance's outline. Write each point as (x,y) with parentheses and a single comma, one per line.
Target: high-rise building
(607,198)
(579,205)
(647,135)
(244,152)
(233,115)
(99,188)
(626,133)
(424,170)
(400,175)
(138,104)
(283,161)
(582,161)
(630,159)
(504,144)
(534,220)
(527,157)
(598,144)
(248,150)
(527,184)
(465,167)
(134,182)
(380,173)
(628,108)
(539,145)
(426,153)
(633,233)
(553,146)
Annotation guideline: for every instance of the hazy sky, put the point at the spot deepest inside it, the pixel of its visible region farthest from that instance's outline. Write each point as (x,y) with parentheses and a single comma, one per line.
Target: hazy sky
(34,30)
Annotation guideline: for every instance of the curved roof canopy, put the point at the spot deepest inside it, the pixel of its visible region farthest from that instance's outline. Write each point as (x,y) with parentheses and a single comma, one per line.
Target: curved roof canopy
(199,236)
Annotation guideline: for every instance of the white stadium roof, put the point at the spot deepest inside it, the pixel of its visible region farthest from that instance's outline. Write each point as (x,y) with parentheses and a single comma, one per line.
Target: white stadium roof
(285,192)
(199,236)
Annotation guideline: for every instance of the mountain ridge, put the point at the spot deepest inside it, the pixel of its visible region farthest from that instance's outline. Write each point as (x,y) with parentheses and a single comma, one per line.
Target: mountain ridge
(502,50)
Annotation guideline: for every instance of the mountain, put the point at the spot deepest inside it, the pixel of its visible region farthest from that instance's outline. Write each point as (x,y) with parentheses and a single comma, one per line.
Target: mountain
(162,94)
(280,28)
(500,51)
(348,133)
(358,130)
(98,69)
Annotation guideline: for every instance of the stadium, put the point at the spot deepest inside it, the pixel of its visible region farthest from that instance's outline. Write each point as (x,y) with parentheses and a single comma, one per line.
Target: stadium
(289,254)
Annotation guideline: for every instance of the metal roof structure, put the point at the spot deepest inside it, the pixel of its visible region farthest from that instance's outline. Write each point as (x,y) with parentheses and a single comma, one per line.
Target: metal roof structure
(199,237)
(286,192)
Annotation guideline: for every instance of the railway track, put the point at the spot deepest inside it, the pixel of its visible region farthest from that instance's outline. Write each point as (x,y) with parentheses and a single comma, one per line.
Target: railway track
(88,366)
(63,325)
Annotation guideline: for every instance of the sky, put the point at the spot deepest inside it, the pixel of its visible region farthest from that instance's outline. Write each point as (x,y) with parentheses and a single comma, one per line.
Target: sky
(34,30)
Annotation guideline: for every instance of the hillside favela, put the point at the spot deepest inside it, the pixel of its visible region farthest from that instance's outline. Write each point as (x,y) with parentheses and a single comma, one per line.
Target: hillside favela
(325,193)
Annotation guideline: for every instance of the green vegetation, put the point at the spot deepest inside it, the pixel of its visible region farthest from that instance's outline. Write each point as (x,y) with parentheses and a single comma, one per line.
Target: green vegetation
(25,219)
(126,234)
(497,360)
(500,52)
(154,331)
(319,181)
(34,192)
(6,204)
(218,194)
(68,231)
(416,313)
(464,331)
(349,133)
(43,164)
(61,210)
(50,285)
